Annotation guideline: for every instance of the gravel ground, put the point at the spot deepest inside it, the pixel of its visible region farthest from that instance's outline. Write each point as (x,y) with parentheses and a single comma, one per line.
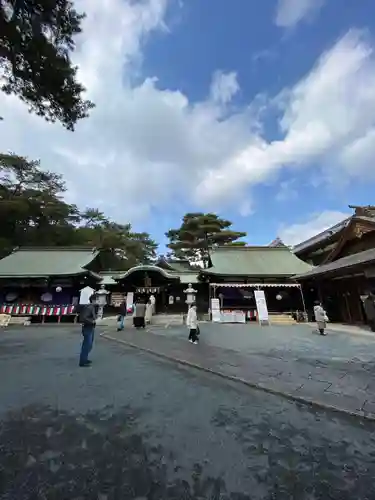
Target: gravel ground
(133,427)
(295,341)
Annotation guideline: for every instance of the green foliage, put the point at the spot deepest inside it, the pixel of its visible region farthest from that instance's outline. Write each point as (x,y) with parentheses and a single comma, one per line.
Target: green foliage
(199,232)
(34,213)
(36,40)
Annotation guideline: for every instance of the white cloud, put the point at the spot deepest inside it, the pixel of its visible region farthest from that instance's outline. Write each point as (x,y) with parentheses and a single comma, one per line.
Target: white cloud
(322,115)
(357,157)
(145,147)
(287,191)
(142,146)
(224,87)
(291,12)
(315,224)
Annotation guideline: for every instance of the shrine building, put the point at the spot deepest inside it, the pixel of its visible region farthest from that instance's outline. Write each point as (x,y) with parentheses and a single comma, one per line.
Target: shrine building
(46,282)
(343,257)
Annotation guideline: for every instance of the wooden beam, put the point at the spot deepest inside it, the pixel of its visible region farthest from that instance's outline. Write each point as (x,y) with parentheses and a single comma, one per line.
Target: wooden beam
(354,228)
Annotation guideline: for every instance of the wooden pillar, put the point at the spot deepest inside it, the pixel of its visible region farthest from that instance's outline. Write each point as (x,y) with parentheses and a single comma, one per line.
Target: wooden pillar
(209,300)
(303,302)
(347,306)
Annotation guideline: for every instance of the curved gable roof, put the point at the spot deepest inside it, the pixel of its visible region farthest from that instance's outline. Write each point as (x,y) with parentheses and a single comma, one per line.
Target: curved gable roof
(149,268)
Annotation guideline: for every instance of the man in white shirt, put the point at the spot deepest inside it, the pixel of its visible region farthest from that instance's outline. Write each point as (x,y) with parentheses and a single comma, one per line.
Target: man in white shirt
(152,302)
(321,317)
(192,324)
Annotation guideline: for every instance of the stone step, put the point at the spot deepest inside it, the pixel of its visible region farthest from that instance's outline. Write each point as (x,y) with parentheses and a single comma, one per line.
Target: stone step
(281,319)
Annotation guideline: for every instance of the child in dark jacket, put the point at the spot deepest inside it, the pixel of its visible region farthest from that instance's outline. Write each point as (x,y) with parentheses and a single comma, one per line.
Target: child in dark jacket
(122,315)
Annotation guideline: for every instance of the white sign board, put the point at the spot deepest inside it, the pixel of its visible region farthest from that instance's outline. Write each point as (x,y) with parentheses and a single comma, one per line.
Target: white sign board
(129,300)
(261,303)
(215,311)
(85,294)
(215,304)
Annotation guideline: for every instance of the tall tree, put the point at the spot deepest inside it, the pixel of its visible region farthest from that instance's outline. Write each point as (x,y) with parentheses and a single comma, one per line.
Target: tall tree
(143,248)
(36,40)
(123,247)
(31,208)
(198,233)
(34,213)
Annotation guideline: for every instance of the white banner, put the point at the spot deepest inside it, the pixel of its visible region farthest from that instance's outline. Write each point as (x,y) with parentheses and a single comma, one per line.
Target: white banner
(215,304)
(261,303)
(129,300)
(85,294)
(215,311)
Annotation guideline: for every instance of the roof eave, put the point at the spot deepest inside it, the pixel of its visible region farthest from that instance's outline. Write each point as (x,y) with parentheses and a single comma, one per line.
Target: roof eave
(46,276)
(215,273)
(319,239)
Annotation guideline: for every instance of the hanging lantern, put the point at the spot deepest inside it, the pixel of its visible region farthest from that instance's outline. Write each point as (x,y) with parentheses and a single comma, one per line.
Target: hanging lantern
(279,297)
(58,289)
(46,297)
(11,296)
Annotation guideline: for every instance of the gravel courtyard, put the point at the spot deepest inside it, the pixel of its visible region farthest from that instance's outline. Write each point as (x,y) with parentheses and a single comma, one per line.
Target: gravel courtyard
(296,340)
(132,426)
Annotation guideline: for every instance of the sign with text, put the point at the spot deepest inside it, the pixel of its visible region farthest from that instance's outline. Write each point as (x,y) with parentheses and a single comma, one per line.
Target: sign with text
(215,310)
(262,308)
(129,300)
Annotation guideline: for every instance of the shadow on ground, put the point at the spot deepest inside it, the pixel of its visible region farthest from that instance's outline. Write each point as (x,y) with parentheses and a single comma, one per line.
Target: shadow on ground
(45,454)
(51,455)
(135,427)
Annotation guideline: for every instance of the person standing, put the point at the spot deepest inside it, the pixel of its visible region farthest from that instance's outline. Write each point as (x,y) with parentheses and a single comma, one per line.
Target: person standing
(369,307)
(139,314)
(320,317)
(122,315)
(153,303)
(88,319)
(149,312)
(192,324)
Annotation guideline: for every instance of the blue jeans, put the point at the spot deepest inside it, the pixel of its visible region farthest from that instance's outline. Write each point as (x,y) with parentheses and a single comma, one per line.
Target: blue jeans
(121,322)
(88,340)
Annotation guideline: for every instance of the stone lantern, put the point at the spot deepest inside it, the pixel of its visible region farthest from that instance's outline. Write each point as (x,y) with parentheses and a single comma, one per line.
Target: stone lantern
(101,300)
(190,295)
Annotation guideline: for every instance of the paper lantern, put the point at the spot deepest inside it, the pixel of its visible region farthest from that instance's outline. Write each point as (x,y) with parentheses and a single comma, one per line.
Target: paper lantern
(58,289)
(11,296)
(279,297)
(46,297)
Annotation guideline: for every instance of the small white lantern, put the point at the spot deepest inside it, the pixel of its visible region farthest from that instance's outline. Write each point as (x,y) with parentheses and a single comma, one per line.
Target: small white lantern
(58,289)
(279,297)
(190,295)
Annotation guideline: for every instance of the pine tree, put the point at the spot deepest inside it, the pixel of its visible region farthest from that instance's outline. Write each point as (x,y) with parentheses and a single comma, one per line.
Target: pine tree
(36,40)
(198,233)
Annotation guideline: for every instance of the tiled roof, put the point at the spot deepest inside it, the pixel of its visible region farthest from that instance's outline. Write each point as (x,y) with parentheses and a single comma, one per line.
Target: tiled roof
(45,261)
(255,261)
(365,257)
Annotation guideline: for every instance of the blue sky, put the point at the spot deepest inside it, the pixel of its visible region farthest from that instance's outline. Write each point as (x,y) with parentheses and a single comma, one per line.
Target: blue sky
(263,111)
(241,36)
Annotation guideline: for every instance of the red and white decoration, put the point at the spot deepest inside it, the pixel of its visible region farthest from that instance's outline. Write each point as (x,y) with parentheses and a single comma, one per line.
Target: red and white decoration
(256,285)
(37,310)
